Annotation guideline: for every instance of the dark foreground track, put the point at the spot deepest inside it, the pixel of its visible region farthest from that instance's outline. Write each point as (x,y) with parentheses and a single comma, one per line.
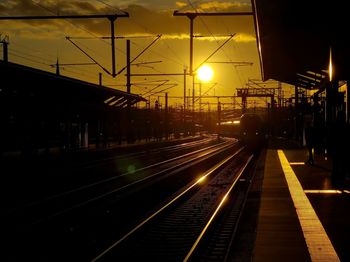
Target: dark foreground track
(80,224)
(188,223)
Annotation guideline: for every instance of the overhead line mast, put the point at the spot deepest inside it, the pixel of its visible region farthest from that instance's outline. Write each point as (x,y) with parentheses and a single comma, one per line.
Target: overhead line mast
(192,16)
(111,18)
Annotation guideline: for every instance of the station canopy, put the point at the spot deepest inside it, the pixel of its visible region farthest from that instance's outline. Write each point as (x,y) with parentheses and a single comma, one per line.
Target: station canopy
(52,89)
(295,37)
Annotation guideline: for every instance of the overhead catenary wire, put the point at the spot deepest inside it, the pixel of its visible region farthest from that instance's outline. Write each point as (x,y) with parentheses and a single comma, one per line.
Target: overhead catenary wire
(46,64)
(149,31)
(234,46)
(144,50)
(159,85)
(170,48)
(206,26)
(46,61)
(28,59)
(88,48)
(214,52)
(32,50)
(179,61)
(68,21)
(18,52)
(75,25)
(97,63)
(163,90)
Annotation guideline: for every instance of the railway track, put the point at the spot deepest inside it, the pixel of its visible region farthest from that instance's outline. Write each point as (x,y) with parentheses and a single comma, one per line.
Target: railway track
(80,222)
(185,224)
(145,153)
(46,182)
(62,203)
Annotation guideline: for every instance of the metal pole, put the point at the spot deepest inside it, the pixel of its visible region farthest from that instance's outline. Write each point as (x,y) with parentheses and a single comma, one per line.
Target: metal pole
(128,85)
(193,94)
(166,117)
(189,99)
(112,19)
(128,73)
(166,103)
(185,72)
(191,43)
(100,79)
(200,101)
(192,16)
(219,119)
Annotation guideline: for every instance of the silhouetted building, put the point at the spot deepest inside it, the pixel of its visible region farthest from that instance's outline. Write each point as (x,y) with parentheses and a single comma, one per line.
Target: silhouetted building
(42,111)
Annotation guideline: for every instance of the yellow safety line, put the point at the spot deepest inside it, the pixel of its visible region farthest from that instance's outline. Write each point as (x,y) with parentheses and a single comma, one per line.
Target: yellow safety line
(317,241)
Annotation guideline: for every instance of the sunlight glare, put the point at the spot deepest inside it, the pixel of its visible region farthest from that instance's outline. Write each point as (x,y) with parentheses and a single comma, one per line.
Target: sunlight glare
(201,179)
(205,73)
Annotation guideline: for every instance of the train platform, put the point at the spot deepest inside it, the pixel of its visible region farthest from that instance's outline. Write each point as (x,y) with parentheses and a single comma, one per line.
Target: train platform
(302,215)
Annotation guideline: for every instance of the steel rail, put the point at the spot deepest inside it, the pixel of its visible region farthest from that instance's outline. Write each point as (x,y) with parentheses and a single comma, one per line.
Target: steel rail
(100,182)
(129,173)
(164,207)
(217,210)
(140,153)
(172,169)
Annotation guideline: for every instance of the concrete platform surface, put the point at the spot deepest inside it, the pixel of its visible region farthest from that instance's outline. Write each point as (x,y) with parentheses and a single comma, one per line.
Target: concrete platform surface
(302,215)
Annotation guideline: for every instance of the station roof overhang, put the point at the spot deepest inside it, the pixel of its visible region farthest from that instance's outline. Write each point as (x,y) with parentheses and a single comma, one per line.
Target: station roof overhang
(58,89)
(295,37)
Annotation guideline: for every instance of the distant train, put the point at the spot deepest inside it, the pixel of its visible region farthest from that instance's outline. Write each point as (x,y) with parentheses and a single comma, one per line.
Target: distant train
(252,131)
(249,129)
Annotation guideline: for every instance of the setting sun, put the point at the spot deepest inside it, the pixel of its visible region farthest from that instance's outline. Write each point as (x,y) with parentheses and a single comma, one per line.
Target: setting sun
(205,73)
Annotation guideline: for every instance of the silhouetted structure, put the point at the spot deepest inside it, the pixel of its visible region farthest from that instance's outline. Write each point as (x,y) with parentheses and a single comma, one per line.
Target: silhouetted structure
(292,51)
(45,111)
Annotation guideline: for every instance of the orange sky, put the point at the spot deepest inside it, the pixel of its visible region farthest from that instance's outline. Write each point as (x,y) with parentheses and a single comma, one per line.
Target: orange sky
(39,43)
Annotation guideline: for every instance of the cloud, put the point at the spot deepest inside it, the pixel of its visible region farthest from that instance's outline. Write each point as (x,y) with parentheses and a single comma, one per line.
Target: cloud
(2,8)
(239,38)
(181,4)
(224,6)
(216,6)
(142,20)
(87,7)
(245,38)
(150,18)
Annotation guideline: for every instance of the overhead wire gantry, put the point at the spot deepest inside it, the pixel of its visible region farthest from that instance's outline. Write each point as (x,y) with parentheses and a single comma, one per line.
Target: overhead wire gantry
(111,17)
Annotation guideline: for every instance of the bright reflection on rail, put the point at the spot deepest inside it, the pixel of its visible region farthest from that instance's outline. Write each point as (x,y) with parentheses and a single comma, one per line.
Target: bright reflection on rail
(217,210)
(200,180)
(208,173)
(297,163)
